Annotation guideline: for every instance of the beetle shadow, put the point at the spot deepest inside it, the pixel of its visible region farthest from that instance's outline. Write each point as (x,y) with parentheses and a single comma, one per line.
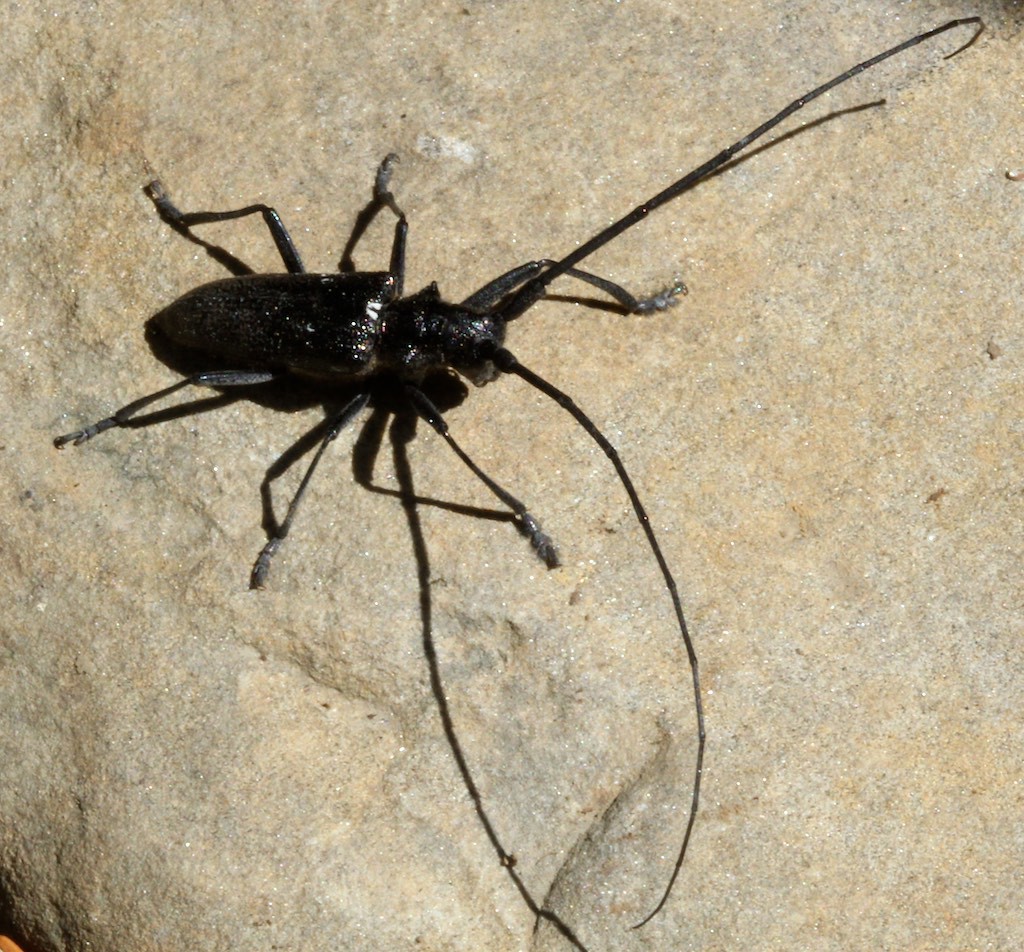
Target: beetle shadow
(388,403)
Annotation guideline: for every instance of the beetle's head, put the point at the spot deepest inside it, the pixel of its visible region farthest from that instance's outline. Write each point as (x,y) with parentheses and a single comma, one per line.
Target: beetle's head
(471,340)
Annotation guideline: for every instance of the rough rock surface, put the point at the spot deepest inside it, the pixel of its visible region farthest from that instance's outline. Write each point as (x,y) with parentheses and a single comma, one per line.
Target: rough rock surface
(827,433)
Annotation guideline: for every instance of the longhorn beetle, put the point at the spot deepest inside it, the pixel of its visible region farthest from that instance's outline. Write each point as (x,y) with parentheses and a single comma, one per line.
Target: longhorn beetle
(358,329)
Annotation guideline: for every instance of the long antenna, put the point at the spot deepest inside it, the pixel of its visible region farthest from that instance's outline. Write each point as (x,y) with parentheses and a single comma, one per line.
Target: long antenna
(509,364)
(533,290)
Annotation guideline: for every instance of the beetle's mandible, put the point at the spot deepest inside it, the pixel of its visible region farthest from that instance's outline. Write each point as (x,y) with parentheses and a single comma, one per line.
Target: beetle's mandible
(359,328)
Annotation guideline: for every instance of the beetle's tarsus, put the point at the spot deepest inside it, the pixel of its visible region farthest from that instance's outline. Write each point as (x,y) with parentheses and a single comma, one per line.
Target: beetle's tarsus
(78,437)
(86,433)
(540,540)
(663,300)
(261,567)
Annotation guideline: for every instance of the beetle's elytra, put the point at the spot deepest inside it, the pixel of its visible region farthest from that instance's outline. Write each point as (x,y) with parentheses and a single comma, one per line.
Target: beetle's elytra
(360,329)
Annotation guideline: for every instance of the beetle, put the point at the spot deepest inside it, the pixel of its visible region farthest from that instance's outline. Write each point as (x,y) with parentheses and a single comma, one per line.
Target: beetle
(360,328)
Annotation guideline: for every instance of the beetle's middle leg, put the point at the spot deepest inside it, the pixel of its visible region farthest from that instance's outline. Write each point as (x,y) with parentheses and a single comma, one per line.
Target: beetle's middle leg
(182,223)
(382,198)
(335,425)
(525,522)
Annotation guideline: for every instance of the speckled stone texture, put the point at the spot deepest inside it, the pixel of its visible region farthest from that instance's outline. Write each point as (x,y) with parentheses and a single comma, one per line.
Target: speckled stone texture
(827,432)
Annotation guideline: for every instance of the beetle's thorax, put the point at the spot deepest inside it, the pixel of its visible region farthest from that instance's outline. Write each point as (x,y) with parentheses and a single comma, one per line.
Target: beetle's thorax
(421,333)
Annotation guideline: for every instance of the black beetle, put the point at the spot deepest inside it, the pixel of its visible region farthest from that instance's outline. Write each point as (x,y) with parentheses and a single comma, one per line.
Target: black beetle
(352,327)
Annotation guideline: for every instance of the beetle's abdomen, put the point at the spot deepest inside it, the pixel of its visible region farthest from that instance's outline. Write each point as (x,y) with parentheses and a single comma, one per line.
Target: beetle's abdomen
(318,324)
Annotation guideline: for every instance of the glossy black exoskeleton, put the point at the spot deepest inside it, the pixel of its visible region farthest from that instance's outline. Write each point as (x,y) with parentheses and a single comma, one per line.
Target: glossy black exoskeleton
(357,327)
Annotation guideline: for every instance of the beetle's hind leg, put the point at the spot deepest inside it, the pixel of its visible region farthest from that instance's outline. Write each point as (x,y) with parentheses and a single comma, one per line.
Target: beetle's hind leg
(525,522)
(182,222)
(124,417)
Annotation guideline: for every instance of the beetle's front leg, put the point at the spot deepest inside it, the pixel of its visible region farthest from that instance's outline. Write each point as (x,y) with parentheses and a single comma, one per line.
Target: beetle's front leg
(492,292)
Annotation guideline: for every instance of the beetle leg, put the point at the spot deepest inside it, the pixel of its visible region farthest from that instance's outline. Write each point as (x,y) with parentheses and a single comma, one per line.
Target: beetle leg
(123,417)
(334,427)
(526,523)
(182,223)
(495,290)
(382,198)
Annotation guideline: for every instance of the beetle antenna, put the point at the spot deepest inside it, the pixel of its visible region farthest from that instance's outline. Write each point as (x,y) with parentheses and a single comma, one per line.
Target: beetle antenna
(533,290)
(508,363)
